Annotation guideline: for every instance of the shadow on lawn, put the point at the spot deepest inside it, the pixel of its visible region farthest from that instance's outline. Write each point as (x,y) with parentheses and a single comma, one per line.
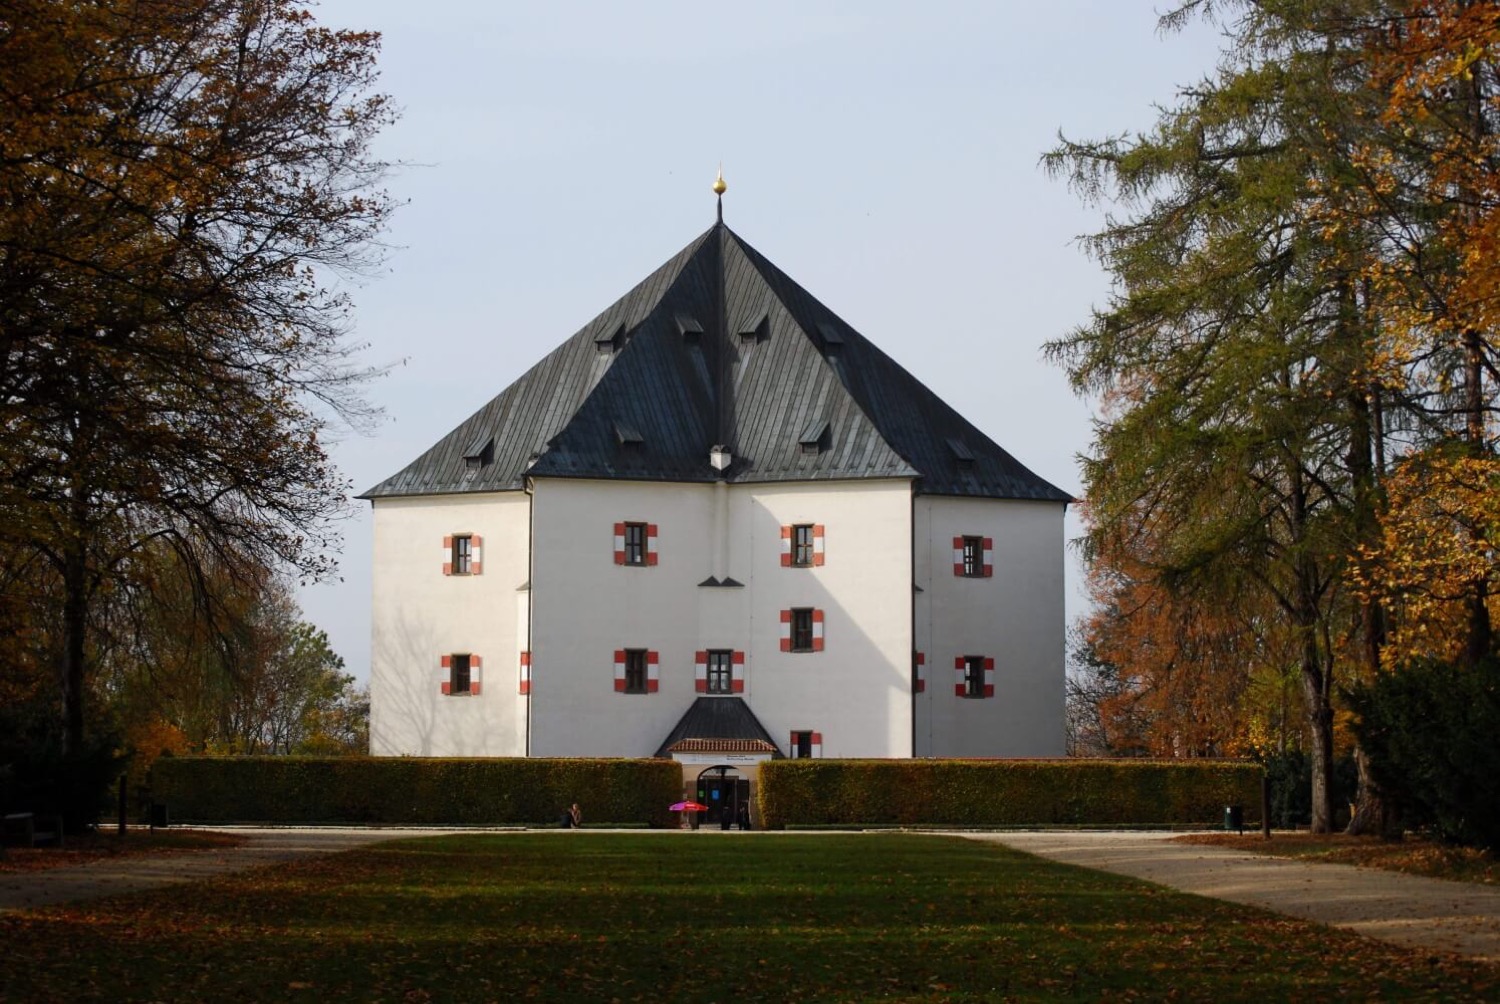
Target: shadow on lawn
(622,917)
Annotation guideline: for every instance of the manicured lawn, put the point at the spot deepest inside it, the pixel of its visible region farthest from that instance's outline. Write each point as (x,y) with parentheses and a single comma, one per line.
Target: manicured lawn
(695,917)
(1413,855)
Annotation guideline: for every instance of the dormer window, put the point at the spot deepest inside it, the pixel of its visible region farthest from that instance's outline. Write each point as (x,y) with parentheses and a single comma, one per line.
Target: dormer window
(760,331)
(479,453)
(833,339)
(629,438)
(963,457)
(608,342)
(690,329)
(815,438)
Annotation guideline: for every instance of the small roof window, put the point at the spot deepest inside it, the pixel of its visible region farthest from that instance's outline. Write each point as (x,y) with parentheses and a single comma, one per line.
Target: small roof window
(691,330)
(628,436)
(760,331)
(962,455)
(480,452)
(833,339)
(815,438)
(611,341)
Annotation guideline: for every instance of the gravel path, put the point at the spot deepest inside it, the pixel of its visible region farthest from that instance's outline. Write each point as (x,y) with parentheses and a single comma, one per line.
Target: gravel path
(1413,912)
(1408,910)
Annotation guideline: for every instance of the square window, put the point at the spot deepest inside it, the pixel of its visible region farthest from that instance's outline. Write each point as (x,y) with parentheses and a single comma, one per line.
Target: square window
(635,543)
(458,674)
(463,554)
(973,676)
(802,545)
(802,745)
(974,556)
(721,671)
(635,671)
(802,629)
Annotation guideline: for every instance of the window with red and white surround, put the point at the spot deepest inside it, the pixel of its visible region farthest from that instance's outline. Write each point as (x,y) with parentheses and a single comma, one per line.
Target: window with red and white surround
(525,686)
(635,544)
(802,545)
(973,676)
(974,557)
(805,745)
(637,671)
(459,674)
(463,554)
(719,671)
(802,630)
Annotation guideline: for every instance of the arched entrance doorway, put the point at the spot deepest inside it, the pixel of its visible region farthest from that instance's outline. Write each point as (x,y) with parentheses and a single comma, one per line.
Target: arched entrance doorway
(724,791)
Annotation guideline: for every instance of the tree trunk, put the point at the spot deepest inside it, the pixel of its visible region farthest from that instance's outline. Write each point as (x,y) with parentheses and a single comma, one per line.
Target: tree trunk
(1373,813)
(1316,688)
(75,627)
(1320,739)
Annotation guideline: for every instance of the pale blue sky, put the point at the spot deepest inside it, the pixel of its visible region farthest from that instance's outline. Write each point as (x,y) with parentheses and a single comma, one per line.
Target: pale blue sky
(884,154)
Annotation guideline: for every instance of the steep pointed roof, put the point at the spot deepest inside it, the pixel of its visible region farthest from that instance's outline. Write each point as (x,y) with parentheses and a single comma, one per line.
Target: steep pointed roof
(718,347)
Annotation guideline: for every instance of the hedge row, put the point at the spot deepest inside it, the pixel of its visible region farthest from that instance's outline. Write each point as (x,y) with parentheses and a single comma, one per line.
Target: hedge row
(1006,792)
(414,791)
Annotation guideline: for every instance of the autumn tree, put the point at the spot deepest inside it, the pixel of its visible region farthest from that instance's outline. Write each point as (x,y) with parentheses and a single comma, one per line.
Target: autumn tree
(1234,364)
(256,679)
(1435,185)
(182,183)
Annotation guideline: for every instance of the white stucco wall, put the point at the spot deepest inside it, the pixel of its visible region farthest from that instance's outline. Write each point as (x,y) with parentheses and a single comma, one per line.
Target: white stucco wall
(855,692)
(1015,616)
(419,614)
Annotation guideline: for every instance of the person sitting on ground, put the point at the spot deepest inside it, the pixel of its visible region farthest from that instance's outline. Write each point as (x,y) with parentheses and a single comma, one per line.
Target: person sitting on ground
(575,816)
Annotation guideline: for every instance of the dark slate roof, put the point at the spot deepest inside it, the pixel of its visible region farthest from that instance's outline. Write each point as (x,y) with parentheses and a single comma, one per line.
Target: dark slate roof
(718,347)
(719,724)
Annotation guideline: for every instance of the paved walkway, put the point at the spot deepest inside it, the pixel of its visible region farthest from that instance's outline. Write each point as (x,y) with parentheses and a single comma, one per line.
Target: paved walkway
(1407,910)
(1413,912)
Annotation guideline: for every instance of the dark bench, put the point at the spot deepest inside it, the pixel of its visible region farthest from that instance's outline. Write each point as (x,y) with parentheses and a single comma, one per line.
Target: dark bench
(28,829)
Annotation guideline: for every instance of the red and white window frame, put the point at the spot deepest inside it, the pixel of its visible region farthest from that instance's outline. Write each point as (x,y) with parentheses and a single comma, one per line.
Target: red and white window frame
(987,560)
(649,544)
(476,554)
(788,541)
(961,676)
(736,671)
(445,675)
(815,744)
(787,617)
(525,682)
(653,670)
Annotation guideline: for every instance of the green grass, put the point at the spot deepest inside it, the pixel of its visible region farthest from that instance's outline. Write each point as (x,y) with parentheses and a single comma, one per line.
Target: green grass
(684,917)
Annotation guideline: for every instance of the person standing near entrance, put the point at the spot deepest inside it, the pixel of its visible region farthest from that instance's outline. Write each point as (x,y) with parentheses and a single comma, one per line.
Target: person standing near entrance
(744,819)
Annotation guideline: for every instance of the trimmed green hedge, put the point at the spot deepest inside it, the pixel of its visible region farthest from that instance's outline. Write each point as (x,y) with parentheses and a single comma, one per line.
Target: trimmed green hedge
(415,791)
(1006,792)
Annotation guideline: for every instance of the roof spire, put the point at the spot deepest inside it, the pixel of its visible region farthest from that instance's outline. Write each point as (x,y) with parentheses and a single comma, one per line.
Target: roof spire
(719,188)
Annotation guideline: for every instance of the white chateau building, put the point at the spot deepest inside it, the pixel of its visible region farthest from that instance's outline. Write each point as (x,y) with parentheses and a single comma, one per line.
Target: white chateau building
(717,524)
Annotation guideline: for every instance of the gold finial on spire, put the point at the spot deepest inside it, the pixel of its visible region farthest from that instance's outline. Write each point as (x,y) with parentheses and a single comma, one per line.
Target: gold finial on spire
(719,186)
